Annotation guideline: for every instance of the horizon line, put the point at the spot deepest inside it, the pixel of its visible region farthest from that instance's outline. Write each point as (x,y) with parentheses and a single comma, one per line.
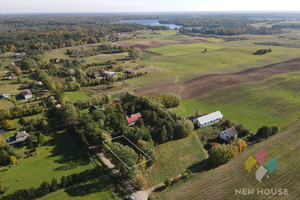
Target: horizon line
(143,12)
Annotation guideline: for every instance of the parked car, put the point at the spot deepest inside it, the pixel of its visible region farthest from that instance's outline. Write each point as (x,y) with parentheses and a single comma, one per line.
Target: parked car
(129,198)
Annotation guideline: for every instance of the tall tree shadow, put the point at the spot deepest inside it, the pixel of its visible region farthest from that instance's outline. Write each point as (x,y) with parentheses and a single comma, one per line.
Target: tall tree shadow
(82,190)
(67,152)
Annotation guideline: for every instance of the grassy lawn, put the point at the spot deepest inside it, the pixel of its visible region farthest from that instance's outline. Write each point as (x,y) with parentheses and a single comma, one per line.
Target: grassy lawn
(173,158)
(76,96)
(266,102)
(220,183)
(59,156)
(105,57)
(90,192)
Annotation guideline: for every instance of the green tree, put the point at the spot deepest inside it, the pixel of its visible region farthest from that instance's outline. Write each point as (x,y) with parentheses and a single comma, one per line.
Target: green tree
(135,53)
(69,114)
(219,155)
(54,185)
(126,154)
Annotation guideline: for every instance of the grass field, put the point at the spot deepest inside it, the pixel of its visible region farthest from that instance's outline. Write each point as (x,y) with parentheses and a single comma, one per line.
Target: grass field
(220,183)
(173,158)
(275,100)
(185,62)
(76,96)
(58,156)
(91,192)
(185,49)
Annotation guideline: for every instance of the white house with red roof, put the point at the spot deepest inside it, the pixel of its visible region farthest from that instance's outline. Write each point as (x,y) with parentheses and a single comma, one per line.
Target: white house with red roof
(26,94)
(132,119)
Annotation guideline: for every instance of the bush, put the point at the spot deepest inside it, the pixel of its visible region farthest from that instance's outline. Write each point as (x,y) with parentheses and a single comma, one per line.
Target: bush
(168,182)
(219,155)
(139,181)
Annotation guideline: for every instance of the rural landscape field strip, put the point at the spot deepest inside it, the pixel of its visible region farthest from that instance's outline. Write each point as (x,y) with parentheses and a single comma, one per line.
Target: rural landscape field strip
(205,84)
(145,44)
(214,184)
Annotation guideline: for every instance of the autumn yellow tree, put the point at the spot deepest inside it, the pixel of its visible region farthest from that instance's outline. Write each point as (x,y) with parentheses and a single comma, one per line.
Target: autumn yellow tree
(17,70)
(142,160)
(241,144)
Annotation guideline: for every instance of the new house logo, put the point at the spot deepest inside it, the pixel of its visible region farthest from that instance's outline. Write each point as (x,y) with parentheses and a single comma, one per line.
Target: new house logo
(261,171)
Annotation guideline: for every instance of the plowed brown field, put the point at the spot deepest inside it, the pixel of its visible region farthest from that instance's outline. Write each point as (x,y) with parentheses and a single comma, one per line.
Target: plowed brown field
(208,83)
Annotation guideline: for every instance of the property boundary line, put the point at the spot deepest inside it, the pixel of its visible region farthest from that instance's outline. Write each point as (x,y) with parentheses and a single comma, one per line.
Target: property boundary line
(149,158)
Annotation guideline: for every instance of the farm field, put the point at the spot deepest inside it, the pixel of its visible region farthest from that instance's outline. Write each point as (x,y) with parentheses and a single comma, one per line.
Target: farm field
(220,183)
(173,158)
(220,58)
(274,100)
(58,156)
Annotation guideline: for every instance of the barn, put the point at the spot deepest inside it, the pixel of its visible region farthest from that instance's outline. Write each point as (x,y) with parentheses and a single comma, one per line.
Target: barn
(208,119)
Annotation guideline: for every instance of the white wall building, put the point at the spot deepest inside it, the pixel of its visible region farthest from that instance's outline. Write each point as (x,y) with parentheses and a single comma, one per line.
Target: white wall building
(208,119)
(228,134)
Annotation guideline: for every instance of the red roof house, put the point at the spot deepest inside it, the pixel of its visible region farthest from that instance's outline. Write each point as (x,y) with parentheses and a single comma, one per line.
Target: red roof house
(133,118)
(26,94)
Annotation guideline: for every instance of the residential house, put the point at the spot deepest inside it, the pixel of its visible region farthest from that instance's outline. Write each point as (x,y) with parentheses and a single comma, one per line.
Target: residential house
(93,108)
(18,137)
(229,134)
(5,96)
(11,65)
(10,76)
(26,94)
(19,55)
(133,118)
(109,74)
(208,119)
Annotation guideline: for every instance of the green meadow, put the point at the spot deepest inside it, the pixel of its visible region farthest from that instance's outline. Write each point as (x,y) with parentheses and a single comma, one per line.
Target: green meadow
(58,156)
(173,158)
(76,96)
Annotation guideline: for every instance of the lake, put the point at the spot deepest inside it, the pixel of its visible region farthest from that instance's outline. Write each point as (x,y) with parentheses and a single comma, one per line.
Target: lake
(151,22)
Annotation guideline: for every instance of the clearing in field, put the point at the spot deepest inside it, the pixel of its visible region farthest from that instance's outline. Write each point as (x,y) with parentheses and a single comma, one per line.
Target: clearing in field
(76,96)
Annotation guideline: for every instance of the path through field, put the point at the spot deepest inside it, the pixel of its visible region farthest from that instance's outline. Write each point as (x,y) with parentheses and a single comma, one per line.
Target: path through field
(206,84)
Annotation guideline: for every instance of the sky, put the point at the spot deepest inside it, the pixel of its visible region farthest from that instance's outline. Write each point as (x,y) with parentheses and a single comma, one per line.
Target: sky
(98,6)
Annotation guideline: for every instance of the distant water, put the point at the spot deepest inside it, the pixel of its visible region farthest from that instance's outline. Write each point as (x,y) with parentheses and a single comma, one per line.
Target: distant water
(151,22)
